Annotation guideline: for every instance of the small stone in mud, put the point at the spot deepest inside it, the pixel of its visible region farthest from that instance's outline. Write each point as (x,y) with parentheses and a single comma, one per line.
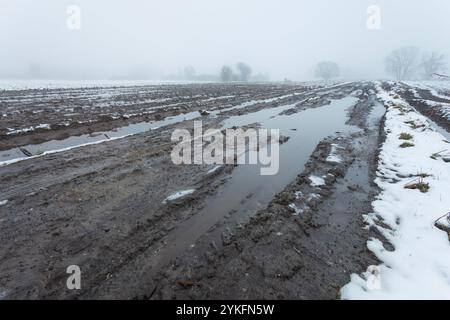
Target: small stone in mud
(185,283)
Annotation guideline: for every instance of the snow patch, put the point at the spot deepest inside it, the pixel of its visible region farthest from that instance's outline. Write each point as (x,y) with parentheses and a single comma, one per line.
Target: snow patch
(313,196)
(298,194)
(333,157)
(3,295)
(316,181)
(178,194)
(17,131)
(296,209)
(213,170)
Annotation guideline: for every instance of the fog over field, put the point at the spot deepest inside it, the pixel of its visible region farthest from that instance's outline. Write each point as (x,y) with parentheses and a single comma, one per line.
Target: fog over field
(151,39)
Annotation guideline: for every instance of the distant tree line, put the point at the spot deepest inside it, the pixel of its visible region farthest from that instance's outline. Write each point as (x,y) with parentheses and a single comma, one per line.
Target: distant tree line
(244,72)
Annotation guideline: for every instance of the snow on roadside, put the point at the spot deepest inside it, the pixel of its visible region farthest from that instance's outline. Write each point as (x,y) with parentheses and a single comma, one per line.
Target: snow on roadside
(333,157)
(419,267)
(2,203)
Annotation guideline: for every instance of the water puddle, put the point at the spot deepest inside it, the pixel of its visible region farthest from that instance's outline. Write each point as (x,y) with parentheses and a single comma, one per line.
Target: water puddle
(247,191)
(54,146)
(378,111)
(319,91)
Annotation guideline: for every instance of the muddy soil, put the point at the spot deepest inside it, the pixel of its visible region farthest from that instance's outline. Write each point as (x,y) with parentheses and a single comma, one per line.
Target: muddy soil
(104,207)
(305,244)
(70,112)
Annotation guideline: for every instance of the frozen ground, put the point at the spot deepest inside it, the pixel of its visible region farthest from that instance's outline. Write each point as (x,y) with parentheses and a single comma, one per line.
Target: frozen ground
(436,85)
(434,95)
(432,99)
(414,182)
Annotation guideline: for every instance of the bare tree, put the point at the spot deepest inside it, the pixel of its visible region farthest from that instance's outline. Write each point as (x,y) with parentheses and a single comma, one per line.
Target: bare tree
(401,63)
(226,74)
(327,70)
(245,71)
(432,64)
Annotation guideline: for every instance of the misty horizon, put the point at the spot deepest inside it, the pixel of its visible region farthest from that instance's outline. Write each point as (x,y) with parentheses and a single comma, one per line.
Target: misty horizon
(155,40)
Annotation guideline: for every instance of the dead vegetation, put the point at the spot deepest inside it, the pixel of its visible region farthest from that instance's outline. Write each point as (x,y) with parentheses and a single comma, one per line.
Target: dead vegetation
(420,185)
(403,110)
(405,136)
(443,154)
(414,125)
(442,224)
(407,145)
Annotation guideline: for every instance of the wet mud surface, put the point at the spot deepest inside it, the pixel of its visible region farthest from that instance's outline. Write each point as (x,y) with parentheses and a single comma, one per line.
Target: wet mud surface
(70,112)
(104,207)
(304,245)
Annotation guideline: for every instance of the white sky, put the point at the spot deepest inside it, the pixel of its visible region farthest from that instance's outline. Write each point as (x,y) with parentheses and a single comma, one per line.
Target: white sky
(283,37)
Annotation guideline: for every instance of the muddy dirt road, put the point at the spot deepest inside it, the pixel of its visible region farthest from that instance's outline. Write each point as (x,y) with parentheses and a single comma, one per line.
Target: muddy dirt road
(98,189)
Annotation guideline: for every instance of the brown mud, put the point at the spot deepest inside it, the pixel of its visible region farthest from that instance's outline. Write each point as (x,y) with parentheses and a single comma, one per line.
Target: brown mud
(103,206)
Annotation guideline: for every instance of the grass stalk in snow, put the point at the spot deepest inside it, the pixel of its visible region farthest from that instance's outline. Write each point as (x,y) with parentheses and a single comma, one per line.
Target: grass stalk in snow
(420,185)
(405,136)
(406,145)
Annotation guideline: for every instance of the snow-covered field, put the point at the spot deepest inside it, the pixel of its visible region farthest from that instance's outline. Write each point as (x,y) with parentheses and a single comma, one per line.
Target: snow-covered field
(419,266)
(437,85)
(440,89)
(66,84)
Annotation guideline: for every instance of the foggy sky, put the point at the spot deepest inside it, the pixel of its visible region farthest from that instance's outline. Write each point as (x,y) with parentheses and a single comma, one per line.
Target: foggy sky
(282,37)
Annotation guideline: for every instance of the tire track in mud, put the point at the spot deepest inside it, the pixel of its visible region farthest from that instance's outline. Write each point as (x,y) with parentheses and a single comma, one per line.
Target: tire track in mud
(283,253)
(135,238)
(71,113)
(48,181)
(149,262)
(45,181)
